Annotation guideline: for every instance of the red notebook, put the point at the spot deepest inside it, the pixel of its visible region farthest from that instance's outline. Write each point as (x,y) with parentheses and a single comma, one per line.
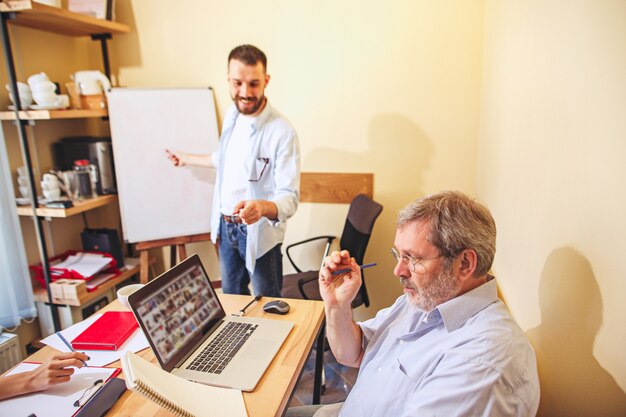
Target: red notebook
(109,332)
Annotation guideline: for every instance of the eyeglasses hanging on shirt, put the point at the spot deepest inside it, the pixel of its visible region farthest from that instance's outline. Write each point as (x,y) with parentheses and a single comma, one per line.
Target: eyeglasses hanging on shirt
(265,162)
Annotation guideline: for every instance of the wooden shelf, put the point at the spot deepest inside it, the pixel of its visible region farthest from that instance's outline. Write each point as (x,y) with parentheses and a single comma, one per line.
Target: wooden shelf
(53,114)
(79,207)
(131,268)
(52,19)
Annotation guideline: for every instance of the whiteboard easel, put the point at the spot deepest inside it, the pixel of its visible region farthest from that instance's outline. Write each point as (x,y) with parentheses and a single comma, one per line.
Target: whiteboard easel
(158,200)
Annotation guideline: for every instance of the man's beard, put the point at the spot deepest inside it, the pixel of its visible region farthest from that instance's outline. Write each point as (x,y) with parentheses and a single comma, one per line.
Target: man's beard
(437,291)
(258,102)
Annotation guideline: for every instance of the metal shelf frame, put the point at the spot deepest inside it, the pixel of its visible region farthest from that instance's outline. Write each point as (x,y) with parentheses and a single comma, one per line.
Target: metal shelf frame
(101,32)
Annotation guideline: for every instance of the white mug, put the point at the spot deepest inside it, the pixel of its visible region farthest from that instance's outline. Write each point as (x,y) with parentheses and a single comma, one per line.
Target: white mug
(37,78)
(43,87)
(25,100)
(53,100)
(52,194)
(45,99)
(22,88)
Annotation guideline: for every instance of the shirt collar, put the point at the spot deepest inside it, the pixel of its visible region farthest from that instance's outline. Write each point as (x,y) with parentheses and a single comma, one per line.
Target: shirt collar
(262,118)
(457,311)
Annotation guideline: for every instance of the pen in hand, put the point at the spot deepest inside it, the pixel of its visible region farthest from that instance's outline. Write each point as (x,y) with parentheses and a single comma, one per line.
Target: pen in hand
(345,271)
(64,340)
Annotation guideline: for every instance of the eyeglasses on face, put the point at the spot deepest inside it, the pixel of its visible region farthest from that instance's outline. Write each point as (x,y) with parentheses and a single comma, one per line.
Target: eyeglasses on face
(414,264)
(265,161)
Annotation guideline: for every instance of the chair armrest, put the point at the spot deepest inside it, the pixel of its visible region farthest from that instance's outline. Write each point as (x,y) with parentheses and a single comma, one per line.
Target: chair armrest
(328,238)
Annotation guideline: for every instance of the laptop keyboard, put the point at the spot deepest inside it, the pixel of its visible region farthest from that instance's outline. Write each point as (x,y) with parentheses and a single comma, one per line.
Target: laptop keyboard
(217,354)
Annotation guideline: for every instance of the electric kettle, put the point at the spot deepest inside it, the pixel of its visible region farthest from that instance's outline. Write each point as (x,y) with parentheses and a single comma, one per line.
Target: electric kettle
(91,83)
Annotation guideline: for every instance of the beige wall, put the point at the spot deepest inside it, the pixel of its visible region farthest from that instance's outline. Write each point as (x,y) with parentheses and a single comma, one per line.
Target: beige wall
(552,158)
(535,127)
(369,87)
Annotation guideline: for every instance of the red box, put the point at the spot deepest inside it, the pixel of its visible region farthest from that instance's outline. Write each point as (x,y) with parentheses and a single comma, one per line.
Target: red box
(60,273)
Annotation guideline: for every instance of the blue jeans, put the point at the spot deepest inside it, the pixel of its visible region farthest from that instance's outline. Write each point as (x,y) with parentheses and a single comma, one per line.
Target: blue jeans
(267,278)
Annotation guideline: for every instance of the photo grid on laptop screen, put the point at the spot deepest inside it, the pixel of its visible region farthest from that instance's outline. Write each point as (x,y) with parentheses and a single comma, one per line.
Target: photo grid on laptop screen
(179,311)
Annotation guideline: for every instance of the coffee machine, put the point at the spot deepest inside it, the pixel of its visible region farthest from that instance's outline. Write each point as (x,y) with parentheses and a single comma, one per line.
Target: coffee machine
(97,150)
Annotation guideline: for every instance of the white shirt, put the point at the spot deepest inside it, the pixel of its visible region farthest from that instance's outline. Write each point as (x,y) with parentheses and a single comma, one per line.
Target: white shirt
(468,359)
(235,178)
(274,140)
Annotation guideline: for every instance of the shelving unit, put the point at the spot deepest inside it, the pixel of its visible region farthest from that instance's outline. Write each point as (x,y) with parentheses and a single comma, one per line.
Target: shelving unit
(50,19)
(53,114)
(132,268)
(79,207)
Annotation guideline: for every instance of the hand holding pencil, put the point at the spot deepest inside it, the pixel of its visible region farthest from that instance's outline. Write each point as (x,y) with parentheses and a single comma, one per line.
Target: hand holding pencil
(57,370)
(339,279)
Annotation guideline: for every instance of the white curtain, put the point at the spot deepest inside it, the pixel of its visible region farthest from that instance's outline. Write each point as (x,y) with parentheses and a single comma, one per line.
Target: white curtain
(16,292)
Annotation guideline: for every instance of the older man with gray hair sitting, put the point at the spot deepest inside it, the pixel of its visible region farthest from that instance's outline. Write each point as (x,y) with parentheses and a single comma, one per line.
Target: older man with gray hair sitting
(448,346)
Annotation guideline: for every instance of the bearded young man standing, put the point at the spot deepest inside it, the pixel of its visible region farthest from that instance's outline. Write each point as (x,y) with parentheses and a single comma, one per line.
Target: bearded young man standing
(258,180)
(447,346)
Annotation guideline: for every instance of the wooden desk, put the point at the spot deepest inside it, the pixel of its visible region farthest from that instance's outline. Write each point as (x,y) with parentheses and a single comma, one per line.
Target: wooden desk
(273,393)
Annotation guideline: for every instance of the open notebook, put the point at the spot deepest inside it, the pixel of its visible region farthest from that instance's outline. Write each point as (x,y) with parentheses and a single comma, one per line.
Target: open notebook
(177,395)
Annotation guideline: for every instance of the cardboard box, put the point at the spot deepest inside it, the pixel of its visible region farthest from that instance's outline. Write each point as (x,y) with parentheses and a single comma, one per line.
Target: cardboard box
(56,290)
(67,289)
(73,289)
(100,9)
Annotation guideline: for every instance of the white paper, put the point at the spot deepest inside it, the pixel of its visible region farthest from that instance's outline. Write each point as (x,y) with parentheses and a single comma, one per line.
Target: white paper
(57,401)
(136,342)
(86,264)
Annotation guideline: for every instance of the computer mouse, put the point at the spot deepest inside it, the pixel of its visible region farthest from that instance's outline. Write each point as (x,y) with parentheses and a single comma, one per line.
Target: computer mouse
(276,307)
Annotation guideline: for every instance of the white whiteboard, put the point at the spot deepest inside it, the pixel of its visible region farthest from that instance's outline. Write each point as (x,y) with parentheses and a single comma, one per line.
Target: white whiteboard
(158,200)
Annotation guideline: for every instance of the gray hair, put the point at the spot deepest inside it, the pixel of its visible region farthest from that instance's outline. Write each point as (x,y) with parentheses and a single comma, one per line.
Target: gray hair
(457,222)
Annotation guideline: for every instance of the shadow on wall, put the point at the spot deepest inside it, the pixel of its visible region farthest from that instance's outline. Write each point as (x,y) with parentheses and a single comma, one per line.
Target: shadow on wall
(573,383)
(398,154)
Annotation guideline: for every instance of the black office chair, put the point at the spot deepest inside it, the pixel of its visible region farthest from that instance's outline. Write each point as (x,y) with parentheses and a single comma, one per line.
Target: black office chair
(356,234)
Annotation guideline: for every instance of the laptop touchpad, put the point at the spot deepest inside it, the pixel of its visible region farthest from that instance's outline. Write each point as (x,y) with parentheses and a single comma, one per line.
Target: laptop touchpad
(259,349)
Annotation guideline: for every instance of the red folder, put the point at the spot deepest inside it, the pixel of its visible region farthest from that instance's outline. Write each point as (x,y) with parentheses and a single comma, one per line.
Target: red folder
(109,332)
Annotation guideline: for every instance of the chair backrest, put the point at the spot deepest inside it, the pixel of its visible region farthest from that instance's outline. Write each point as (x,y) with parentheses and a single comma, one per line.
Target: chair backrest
(356,234)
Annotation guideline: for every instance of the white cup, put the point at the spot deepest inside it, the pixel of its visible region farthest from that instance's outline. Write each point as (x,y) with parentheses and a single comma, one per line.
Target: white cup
(22,88)
(22,171)
(24,191)
(45,99)
(124,292)
(63,101)
(25,100)
(43,87)
(22,181)
(49,186)
(53,194)
(37,78)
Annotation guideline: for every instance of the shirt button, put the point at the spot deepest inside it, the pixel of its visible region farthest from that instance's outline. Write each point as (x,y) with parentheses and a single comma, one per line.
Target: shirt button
(401,342)
(379,369)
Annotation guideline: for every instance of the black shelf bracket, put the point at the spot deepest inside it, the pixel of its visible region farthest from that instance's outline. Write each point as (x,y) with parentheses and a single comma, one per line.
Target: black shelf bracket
(105,52)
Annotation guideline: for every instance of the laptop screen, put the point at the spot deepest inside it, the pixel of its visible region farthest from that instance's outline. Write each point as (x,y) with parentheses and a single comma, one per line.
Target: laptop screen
(176,310)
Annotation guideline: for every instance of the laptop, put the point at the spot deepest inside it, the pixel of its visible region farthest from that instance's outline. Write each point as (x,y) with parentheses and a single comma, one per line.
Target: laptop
(192,337)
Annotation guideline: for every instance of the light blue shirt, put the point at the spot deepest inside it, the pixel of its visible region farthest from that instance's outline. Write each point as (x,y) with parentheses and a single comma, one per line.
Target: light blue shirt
(273,138)
(467,357)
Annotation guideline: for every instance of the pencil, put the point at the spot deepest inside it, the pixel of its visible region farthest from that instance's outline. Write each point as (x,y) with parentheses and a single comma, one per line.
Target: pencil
(64,340)
(344,271)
